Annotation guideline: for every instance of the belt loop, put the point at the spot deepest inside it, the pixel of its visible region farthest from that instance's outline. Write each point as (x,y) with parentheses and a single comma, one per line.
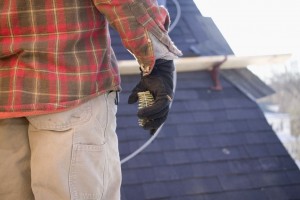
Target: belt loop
(117,98)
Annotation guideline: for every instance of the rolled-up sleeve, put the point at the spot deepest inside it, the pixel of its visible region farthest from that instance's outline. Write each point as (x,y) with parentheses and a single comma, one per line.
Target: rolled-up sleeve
(135,20)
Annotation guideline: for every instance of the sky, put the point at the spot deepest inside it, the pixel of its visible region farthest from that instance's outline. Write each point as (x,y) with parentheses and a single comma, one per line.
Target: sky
(257,27)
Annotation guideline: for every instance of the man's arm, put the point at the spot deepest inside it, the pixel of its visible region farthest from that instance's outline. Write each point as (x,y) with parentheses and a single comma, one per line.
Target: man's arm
(143,27)
(135,20)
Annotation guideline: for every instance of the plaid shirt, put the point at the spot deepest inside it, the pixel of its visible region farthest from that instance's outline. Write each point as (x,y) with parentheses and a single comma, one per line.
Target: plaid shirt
(56,54)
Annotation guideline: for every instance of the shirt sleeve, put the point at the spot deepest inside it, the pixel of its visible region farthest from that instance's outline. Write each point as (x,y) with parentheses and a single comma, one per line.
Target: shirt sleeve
(135,20)
(160,50)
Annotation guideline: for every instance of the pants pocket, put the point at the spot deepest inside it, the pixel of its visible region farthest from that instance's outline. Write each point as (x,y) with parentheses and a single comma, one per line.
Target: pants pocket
(62,121)
(87,171)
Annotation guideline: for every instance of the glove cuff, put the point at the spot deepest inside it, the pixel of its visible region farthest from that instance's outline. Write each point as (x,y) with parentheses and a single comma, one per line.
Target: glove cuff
(163,66)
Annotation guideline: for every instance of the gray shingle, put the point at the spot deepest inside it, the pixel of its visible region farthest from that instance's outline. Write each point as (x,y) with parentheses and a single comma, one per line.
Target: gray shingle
(176,157)
(235,182)
(292,191)
(211,169)
(175,189)
(246,195)
(165,173)
(276,193)
(258,125)
(220,140)
(201,185)
(277,149)
(244,166)
(223,127)
(266,179)
(216,104)
(257,150)
(182,172)
(287,162)
(294,176)
(194,156)
(156,190)
(192,105)
(229,153)
(261,137)
(270,164)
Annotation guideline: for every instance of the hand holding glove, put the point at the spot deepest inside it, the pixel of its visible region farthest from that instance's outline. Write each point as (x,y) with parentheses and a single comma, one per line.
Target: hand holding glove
(160,84)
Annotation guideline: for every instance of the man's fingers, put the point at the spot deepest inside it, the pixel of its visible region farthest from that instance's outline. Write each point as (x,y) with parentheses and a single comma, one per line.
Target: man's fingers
(157,115)
(154,111)
(133,97)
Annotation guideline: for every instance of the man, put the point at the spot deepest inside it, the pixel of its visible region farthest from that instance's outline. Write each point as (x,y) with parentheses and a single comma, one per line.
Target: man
(58,84)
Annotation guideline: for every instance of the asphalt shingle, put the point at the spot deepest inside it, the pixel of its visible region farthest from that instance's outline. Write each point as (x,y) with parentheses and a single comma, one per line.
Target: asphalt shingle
(208,153)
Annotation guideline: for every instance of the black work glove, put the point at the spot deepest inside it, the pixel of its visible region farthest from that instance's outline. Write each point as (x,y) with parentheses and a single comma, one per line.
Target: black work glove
(160,85)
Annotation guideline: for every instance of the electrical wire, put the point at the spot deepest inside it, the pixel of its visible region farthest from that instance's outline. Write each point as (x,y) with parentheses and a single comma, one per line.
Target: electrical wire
(150,140)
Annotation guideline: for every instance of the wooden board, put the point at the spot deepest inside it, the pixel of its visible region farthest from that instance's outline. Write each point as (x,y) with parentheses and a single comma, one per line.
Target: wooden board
(207,62)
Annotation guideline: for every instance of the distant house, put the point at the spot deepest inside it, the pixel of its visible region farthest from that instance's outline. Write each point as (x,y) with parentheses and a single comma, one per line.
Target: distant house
(216,143)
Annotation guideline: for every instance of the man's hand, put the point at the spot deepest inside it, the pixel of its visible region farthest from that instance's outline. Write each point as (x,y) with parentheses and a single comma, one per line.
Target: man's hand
(160,85)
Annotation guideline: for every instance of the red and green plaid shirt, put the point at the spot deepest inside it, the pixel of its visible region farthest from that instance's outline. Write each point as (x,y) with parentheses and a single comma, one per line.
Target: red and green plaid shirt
(56,54)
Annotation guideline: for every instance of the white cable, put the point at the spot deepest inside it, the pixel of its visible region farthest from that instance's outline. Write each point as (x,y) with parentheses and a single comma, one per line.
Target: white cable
(149,141)
(178,15)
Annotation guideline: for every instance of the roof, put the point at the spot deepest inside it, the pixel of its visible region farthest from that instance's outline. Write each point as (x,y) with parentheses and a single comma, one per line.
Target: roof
(215,144)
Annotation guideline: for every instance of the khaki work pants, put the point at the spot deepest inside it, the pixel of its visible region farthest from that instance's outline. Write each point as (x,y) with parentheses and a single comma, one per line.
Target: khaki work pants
(62,156)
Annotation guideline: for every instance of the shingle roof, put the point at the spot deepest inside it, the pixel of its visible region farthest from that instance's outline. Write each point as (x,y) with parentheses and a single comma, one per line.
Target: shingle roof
(215,144)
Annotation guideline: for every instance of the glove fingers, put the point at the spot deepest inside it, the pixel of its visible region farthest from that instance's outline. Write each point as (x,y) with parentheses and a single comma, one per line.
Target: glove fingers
(155,124)
(155,109)
(133,97)
(161,113)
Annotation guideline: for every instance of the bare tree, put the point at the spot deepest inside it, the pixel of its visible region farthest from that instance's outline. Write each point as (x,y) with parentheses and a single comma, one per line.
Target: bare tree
(287,96)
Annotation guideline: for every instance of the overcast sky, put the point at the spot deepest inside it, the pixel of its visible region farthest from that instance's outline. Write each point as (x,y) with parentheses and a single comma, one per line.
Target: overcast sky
(257,27)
